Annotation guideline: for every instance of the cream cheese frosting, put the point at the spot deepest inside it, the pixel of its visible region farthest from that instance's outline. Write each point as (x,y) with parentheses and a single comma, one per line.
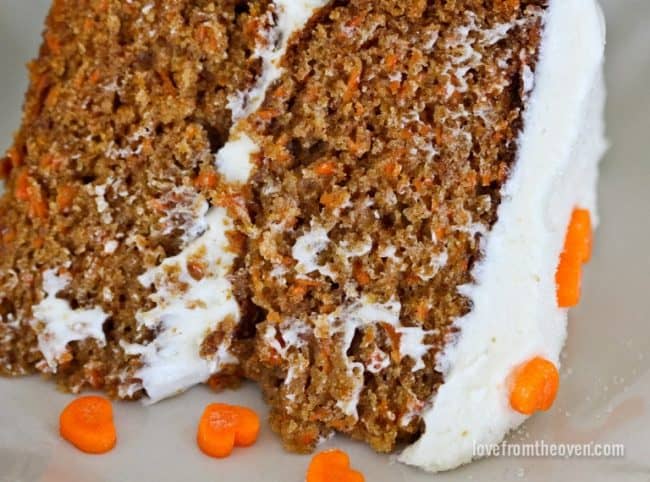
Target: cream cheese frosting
(57,324)
(515,314)
(188,307)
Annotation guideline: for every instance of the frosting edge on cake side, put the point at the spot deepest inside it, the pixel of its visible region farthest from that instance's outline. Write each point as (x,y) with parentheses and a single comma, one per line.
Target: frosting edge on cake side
(515,314)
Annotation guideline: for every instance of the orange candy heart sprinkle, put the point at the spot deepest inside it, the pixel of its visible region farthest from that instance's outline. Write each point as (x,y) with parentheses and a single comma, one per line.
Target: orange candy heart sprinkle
(534,386)
(222,427)
(332,466)
(87,423)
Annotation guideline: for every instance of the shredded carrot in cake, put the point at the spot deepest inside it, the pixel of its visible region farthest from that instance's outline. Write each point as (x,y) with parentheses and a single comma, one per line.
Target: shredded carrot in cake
(8,236)
(333,200)
(326,168)
(392,169)
(53,43)
(332,466)
(360,274)
(37,243)
(22,186)
(302,286)
(267,114)
(352,84)
(534,386)
(94,77)
(222,427)
(87,423)
(65,197)
(49,161)
(206,37)
(207,179)
(390,61)
(37,203)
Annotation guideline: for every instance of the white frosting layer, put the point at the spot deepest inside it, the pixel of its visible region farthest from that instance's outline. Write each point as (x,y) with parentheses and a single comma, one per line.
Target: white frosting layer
(57,324)
(307,248)
(187,310)
(515,314)
(234,161)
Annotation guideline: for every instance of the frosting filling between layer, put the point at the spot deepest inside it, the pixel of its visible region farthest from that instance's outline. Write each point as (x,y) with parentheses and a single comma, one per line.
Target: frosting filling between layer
(57,324)
(193,297)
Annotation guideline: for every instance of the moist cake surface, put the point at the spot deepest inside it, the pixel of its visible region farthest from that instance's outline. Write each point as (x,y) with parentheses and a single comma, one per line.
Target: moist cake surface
(358,204)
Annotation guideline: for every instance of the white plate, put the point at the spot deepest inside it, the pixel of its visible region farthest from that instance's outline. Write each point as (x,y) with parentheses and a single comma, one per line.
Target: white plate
(605,383)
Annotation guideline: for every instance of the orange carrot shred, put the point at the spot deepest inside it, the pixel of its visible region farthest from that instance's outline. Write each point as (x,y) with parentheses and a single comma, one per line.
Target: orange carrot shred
(207,179)
(94,77)
(267,114)
(299,289)
(222,427)
(353,84)
(37,205)
(22,186)
(356,21)
(392,169)
(8,236)
(332,466)
(280,92)
(360,274)
(38,242)
(65,197)
(53,43)
(534,386)
(88,25)
(206,37)
(391,61)
(422,310)
(87,423)
(326,168)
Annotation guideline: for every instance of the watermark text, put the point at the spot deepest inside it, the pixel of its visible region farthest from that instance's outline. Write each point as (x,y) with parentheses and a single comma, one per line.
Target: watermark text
(541,448)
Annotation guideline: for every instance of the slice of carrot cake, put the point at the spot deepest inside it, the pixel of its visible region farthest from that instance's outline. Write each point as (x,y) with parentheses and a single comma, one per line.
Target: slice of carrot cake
(376,209)
(118,238)
(420,164)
